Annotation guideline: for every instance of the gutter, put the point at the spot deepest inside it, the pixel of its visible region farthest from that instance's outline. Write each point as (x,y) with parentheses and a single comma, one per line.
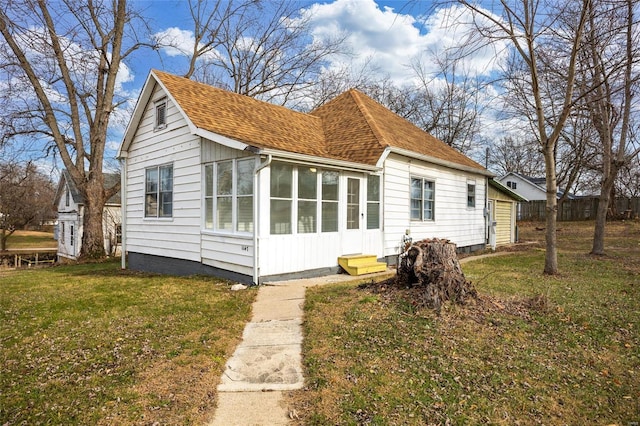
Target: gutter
(437,161)
(123,211)
(256,205)
(312,160)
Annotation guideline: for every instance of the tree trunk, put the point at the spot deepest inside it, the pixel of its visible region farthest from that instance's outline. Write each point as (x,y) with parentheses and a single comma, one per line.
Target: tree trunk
(551,253)
(92,233)
(601,214)
(433,264)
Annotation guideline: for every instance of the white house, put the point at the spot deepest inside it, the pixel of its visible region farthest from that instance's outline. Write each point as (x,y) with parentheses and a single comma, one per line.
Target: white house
(532,189)
(219,183)
(70,206)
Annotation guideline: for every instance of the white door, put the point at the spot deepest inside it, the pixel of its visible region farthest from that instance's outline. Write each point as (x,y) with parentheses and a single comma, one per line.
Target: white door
(353,213)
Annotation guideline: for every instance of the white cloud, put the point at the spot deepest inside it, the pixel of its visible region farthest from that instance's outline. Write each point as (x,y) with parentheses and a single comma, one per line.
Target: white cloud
(387,42)
(175,41)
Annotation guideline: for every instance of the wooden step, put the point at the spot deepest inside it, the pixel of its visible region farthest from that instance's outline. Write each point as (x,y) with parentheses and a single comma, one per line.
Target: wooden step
(361,264)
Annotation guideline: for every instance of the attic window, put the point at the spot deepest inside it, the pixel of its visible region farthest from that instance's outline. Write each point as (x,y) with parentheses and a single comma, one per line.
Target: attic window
(66,198)
(161,114)
(511,185)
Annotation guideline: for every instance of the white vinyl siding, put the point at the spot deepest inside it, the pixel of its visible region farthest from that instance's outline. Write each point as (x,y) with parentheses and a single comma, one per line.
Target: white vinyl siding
(453,220)
(177,236)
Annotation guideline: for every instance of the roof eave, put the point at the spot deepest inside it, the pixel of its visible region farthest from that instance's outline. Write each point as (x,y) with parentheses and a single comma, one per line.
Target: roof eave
(438,161)
(138,112)
(222,140)
(315,160)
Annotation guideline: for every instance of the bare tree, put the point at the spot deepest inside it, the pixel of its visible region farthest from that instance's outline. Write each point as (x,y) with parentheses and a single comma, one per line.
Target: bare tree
(26,197)
(531,26)
(611,74)
(60,65)
(450,96)
(257,48)
(518,155)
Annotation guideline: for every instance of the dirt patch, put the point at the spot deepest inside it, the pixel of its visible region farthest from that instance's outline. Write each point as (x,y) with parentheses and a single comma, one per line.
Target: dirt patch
(479,309)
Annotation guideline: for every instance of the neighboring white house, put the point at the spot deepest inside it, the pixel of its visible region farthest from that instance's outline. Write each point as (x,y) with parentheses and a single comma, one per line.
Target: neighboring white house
(219,183)
(532,189)
(70,205)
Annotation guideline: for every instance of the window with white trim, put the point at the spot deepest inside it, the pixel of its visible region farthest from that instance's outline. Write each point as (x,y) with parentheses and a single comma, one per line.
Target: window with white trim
(373,202)
(159,191)
(307,200)
(304,200)
(228,195)
(471,194)
(422,199)
(512,185)
(330,191)
(160,114)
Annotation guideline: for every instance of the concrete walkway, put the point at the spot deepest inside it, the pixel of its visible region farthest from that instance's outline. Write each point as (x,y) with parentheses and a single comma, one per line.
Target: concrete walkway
(268,361)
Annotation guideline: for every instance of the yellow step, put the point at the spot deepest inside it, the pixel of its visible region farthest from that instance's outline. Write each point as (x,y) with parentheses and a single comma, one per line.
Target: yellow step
(361,264)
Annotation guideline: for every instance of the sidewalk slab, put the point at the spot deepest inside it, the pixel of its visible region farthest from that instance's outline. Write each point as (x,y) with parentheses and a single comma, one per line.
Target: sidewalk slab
(250,409)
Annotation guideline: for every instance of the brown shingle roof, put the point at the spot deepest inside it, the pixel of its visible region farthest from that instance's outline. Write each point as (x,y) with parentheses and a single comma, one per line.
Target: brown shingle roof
(351,127)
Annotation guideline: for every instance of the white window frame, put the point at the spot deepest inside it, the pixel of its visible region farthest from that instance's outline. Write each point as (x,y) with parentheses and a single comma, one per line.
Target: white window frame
(471,194)
(159,192)
(422,200)
(160,120)
(234,196)
(373,204)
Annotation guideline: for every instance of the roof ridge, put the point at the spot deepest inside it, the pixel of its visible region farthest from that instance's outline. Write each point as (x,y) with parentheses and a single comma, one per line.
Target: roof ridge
(371,122)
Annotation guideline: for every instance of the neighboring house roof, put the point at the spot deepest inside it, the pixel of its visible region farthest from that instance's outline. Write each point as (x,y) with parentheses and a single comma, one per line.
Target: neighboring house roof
(507,191)
(110,179)
(352,127)
(539,183)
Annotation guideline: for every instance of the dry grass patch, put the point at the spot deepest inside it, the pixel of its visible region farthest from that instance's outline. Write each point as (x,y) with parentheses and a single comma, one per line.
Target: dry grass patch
(532,350)
(91,344)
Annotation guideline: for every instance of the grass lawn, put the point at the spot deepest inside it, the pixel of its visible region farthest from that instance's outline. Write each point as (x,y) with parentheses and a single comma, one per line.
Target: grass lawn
(91,344)
(31,239)
(534,349)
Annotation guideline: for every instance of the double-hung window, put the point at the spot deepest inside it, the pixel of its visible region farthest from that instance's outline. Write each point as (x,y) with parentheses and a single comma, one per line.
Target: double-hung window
(307,200)
(471,194)
(228,195)
(330,186)
(422,199)
(373,202)
(159,191)
(281,198)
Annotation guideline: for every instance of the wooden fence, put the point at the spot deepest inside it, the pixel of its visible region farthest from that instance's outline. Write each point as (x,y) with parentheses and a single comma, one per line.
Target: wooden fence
(580,209)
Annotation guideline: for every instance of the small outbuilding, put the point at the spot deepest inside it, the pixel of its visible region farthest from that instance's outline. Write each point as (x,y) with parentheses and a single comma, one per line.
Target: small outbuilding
(502,213)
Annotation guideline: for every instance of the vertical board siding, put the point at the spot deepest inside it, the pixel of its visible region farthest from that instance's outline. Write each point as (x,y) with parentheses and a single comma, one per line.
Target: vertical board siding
(503,217)
(179,236)
(453,219)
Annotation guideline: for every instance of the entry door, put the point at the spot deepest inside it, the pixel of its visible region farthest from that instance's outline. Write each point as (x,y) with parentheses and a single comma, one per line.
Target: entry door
(353,227)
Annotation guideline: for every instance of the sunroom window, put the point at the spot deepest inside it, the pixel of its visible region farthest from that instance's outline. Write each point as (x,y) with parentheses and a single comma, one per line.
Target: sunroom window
(228,195)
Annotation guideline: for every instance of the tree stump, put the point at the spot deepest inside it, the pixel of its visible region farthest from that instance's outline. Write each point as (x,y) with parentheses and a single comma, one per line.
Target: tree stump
(433,264)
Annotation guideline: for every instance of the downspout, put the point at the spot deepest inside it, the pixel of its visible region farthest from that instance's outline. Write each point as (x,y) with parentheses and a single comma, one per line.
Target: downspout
(123,213)
(256,201)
